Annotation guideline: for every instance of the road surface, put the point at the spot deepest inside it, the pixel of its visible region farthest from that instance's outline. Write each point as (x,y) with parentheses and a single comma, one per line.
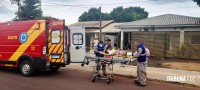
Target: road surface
(69,79)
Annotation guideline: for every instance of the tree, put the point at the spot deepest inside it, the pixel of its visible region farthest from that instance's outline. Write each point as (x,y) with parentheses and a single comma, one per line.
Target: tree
(48,17)
(18,2)
(118,14)
(93,14)
(121,14)
(197,1)
(29,10)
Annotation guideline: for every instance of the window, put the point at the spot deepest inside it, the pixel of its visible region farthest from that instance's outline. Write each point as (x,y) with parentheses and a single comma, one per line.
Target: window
(77,39)
(195,39)
(55,36)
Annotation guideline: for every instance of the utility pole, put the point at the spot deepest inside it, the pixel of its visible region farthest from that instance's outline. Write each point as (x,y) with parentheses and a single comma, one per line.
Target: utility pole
(100,33)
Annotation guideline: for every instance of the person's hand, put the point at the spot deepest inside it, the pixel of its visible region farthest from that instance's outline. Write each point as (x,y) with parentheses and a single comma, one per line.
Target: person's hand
(133,59)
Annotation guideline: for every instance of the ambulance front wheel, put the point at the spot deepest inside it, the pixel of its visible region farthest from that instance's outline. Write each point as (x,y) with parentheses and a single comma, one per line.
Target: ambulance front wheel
(26,68)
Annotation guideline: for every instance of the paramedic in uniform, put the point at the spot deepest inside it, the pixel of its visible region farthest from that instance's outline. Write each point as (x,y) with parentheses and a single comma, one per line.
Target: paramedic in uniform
(107,49)
(98,52)
(141,65)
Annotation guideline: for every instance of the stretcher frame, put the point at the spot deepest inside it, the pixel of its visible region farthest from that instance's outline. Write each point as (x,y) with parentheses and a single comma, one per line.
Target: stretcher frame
(105,60)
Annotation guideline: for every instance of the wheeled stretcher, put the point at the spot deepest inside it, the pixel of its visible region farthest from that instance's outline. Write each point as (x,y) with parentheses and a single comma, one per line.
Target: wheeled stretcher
(109,61)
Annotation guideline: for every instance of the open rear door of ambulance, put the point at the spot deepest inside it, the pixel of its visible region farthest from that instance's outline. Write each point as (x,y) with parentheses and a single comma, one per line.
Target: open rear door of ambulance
(56,44)
(77,44)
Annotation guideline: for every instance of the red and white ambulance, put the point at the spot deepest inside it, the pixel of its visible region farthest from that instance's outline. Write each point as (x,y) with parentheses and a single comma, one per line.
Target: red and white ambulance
(40,44)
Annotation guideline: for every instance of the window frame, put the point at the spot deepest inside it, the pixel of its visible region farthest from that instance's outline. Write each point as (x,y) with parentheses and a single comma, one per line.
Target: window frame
(78,38)
(59,36)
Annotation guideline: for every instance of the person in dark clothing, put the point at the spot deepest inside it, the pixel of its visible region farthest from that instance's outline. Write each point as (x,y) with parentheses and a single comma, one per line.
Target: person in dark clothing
(108,46)
(141,65)
(99,49)
(115,43)
(99,53)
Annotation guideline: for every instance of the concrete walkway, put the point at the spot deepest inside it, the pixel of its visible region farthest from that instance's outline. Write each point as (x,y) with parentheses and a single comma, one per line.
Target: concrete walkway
(188,77)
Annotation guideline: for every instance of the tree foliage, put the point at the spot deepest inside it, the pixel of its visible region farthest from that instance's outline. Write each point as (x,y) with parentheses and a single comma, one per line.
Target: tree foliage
(93,14)
(49,17)
(29,10)
(197,1)
(118,14)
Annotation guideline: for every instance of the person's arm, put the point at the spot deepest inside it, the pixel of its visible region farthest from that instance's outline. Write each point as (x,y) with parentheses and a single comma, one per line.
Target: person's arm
(95,49)
(105,48)
(138,53)
(147,52)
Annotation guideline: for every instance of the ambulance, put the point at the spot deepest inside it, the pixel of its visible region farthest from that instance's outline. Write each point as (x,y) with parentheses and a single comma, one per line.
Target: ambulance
(40,44)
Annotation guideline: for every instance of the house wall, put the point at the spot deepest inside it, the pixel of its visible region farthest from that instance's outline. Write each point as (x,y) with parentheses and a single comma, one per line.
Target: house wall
(167,43)
(190,35)
(154,41)
(191,47)
(173,43)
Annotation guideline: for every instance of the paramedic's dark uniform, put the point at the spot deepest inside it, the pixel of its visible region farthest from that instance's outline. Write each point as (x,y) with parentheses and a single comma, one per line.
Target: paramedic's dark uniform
(141,65)
(100,48)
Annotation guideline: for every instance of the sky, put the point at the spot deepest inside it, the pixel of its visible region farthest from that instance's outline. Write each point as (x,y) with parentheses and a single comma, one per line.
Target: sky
(70,10)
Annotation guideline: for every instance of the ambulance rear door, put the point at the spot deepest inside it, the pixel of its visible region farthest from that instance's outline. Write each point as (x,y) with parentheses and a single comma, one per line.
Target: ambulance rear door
(77,44)
(56,42)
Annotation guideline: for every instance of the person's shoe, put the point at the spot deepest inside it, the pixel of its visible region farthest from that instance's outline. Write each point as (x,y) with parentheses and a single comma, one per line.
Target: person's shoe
(136,82)
(140,85)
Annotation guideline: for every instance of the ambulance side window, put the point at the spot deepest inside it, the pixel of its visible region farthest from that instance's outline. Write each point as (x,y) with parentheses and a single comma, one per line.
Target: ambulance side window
(77,39)
(55,36)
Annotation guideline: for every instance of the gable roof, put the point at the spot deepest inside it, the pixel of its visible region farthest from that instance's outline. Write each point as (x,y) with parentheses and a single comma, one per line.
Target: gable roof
(111,28)
(164,20)
(92,24)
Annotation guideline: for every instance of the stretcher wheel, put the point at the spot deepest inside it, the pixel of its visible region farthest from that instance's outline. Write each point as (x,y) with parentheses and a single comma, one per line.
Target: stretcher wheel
(112,78)
(82,64)
(108,81)
(87,63)
(93,80)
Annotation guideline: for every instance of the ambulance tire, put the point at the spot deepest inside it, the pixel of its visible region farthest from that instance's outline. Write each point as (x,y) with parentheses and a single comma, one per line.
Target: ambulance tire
(26,68)
(55,69)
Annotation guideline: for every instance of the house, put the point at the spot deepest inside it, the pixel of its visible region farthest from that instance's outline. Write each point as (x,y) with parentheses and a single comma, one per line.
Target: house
(167,35)
(92,29)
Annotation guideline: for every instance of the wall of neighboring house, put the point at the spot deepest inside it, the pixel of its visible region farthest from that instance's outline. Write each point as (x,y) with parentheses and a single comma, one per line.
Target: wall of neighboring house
(173,43)
(191,47)
(167,43)
(193,38)
(154,41)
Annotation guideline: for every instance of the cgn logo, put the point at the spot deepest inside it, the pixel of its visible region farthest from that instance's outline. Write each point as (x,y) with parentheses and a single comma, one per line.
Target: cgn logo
(23,37)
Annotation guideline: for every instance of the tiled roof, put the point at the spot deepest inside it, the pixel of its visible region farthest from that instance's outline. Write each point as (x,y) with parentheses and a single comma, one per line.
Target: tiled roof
(111,28)
(163,20)
(92,24)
